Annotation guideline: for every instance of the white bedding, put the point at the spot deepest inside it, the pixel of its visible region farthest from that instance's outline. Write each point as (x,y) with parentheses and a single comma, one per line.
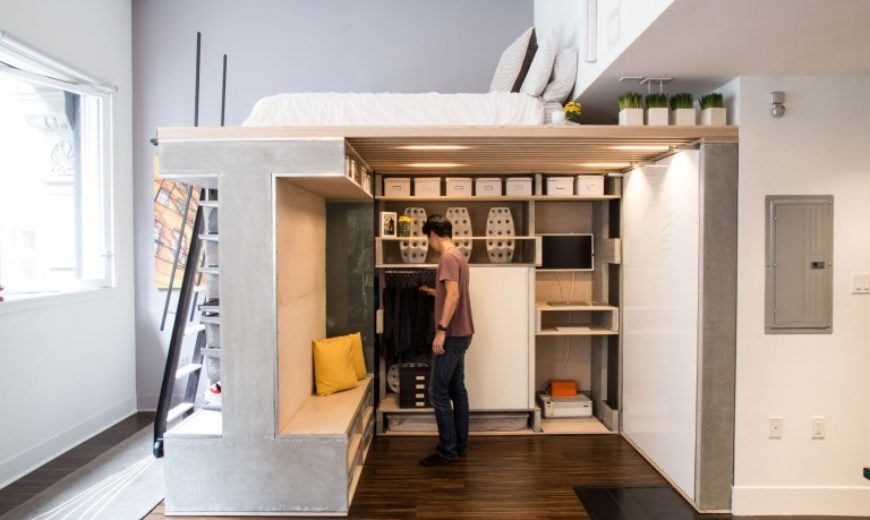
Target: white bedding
(334,109)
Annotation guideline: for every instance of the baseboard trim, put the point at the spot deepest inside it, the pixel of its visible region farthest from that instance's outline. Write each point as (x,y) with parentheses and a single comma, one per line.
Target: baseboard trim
(16,467)
(805,500)
(148,402)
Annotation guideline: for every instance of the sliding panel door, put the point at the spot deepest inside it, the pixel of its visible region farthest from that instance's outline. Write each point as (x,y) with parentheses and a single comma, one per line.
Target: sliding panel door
(660,313)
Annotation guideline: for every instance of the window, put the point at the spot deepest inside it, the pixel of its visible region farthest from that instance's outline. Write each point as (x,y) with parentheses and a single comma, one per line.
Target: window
(55,176)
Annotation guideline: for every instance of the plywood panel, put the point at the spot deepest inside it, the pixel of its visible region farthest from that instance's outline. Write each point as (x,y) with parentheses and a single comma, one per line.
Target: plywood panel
(300,268)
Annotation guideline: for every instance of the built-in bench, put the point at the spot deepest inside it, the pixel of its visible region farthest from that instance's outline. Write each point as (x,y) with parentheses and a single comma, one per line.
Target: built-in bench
(346,416)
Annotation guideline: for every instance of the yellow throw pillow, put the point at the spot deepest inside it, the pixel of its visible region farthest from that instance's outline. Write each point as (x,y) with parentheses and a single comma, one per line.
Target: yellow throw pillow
(333,366)
(357,356)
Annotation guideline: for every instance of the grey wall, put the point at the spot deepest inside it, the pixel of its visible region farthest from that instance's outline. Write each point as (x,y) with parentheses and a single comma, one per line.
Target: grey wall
(290,46)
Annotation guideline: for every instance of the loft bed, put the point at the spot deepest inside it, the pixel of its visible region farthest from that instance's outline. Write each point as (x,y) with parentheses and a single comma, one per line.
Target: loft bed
(274,458)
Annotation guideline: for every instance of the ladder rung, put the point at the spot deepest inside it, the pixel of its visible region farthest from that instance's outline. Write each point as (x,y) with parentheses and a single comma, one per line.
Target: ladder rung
(187,369)
(210,308)
(211,319)
(209,270)
(194,329)
(209,236)
(209,203)
(178,410)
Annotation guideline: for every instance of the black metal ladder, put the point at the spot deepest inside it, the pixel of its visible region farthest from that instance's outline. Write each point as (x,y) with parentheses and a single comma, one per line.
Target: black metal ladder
(166,414)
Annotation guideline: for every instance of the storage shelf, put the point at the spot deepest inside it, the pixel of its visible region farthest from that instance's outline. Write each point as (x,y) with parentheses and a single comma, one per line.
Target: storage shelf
(458,238)
(214,237)
(202,423)
(209,203)
(593,331)
(589,307)
(435,266)
(573,426)
(503,198)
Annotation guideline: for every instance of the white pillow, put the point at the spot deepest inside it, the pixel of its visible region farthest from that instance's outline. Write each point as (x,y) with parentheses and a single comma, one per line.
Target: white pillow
(542,66)
(564,75)
(510,64)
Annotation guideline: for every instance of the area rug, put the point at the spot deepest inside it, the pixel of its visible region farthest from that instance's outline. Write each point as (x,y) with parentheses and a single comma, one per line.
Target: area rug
(124,483)
(638,503)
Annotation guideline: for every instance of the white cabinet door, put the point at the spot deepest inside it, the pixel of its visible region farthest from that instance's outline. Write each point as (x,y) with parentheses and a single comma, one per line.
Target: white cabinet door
(497,364)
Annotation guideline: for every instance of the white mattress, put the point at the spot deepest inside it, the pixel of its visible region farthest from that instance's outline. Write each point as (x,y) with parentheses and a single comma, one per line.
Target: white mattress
(333,109)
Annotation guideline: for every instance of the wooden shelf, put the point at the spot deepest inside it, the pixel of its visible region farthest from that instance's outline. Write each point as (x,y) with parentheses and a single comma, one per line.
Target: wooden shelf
(458,238)
(335,186)
(590,307)
(435,266)
(504,198)
(593,331)
(573,426)
(390,404)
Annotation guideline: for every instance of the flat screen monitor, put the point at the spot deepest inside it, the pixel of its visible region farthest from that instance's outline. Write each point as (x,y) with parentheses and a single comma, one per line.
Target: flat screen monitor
(572,251)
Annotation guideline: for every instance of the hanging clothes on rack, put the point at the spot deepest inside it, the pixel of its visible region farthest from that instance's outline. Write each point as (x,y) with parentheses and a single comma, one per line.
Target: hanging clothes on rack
(409,315)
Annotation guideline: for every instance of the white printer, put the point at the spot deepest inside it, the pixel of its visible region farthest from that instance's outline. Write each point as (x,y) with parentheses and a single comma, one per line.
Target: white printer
(578,406)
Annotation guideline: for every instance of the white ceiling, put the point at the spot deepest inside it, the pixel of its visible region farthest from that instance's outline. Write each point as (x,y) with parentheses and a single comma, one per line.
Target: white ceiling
(702,44)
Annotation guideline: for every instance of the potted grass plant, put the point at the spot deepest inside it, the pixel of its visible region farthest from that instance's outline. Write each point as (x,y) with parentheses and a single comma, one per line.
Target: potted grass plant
(713,111)
(683,108)
(657,110)
(631,109)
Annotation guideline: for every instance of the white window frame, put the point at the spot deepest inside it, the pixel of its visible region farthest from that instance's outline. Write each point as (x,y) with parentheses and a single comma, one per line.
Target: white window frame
(19,60)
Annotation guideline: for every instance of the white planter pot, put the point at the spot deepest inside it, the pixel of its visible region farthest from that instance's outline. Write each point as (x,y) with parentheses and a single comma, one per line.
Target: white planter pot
(684,117)
(657,116)
(631,117)
(714,117)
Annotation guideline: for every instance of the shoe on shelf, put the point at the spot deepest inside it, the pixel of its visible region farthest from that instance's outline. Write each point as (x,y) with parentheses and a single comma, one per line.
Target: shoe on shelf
(435,460)
(212,399)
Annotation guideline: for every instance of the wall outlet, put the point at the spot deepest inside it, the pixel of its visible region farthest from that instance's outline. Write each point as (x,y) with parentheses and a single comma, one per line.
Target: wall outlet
(860,283)
(775,428)
(818,424)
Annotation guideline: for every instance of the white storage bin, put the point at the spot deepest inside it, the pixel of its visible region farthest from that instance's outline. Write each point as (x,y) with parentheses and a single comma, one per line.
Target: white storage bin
(427,187)
(458,186)
(397,187)
(518,186)
(487,187)
(590,185)
(560,186)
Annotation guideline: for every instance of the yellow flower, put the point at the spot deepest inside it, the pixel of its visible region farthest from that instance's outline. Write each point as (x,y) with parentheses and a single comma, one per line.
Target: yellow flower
(572,108)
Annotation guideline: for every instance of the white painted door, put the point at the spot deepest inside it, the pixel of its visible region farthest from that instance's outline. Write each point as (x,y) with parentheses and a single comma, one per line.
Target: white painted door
(497,363)
(660,313)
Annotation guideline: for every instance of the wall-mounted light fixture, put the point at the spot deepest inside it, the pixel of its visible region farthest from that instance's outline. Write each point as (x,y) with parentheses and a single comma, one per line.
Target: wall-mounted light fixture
(777,106)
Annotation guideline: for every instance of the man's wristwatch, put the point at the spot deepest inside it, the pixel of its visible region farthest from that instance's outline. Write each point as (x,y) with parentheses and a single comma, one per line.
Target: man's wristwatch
(442,328)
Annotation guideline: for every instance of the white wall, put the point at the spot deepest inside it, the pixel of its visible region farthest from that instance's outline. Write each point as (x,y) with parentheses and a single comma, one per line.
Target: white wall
(290,46)
(68,371)
(819,147)
(620,22)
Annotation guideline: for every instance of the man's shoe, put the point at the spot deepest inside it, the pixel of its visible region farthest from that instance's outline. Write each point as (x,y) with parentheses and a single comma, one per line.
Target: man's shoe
(435,460)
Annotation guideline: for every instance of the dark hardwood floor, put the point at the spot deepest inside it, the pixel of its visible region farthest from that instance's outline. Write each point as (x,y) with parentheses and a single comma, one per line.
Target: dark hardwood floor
(41,478)
(528,477)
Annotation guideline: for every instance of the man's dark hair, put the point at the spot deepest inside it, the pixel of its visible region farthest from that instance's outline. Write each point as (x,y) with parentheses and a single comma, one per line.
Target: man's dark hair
(439,225)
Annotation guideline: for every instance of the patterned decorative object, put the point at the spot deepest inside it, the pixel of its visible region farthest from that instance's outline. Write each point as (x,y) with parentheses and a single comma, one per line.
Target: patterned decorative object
(564,75)
(510,64)
(500,226)
(415,248)
(542,66)
(461,221)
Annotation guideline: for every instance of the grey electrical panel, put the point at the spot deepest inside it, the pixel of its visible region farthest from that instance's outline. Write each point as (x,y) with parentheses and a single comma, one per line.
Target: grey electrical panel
(799,264)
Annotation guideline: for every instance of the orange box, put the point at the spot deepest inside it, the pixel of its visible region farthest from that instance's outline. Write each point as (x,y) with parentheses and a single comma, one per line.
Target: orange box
(563,388)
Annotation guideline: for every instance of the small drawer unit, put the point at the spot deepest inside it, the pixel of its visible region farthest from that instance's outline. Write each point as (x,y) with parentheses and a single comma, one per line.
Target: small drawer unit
(487,187)
(427,187)
(518,186)
(589,185)
(458,186)
(397,187)
(414,387)
(560,186)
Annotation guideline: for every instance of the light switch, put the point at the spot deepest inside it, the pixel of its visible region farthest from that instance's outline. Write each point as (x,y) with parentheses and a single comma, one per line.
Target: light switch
(860,283)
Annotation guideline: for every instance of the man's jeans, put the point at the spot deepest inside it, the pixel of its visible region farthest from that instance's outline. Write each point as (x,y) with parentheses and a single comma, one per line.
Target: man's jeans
(447,383)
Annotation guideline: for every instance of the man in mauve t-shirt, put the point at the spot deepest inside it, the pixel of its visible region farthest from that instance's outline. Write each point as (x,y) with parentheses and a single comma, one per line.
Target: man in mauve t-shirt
(455,327)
